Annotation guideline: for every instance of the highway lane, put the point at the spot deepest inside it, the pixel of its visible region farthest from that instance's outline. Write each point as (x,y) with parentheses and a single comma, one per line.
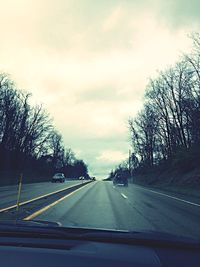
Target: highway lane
(8,194)
(100,205)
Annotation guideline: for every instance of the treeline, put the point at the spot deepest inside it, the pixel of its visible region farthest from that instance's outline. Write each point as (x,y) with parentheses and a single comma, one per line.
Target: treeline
(28,139)
(167,129)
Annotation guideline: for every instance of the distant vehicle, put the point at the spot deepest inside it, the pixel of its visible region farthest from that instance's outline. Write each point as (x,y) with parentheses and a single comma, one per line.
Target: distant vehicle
(58,177)
(120,180)
(81,178)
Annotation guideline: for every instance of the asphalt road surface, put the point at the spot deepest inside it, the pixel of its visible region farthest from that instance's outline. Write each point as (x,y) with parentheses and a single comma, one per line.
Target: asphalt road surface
(101,205)
(8,194)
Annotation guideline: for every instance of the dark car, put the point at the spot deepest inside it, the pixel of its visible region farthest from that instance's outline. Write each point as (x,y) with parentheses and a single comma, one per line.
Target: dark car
(120,179)
(58,177)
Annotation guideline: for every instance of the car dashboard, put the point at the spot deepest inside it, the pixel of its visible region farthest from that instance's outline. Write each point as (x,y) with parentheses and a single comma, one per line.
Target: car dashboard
(22,251)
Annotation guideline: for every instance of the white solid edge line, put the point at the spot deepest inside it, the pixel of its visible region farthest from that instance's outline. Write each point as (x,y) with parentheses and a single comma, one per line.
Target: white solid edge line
(124,196)
(176,198)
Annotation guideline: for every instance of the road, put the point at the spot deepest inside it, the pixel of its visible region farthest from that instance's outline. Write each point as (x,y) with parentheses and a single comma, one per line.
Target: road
(8,194)
(100,205)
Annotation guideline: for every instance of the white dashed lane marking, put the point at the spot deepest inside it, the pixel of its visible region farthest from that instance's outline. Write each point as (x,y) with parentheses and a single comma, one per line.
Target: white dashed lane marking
(124,196)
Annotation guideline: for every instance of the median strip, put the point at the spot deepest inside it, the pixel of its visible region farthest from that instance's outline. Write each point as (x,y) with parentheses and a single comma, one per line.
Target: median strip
(40,197)
(30,217)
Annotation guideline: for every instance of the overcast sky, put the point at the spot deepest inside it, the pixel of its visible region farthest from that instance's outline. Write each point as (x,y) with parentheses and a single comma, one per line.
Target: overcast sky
(88,62)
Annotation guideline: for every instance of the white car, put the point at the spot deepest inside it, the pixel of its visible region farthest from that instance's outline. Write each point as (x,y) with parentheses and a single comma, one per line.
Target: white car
(58,177)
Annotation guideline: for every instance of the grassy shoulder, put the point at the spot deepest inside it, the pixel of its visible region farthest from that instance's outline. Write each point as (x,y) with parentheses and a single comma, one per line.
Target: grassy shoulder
(172,181)
(180,174)
(181,190)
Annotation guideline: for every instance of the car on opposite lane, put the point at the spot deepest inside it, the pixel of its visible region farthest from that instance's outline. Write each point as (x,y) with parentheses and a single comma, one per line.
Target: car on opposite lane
(58,177)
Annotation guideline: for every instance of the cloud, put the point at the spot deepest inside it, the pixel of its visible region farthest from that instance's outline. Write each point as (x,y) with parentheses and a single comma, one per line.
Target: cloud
(112,156)
(113,19)
(180,13)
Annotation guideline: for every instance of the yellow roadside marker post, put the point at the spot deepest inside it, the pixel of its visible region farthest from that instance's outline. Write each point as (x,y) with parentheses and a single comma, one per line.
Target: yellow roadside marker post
(19,191)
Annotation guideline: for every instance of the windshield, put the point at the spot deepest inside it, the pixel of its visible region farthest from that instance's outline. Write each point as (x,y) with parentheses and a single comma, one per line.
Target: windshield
(100,114)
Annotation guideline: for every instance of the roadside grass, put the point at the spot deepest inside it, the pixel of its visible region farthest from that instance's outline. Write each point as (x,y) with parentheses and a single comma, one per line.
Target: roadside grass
(184,190)
(172,180)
